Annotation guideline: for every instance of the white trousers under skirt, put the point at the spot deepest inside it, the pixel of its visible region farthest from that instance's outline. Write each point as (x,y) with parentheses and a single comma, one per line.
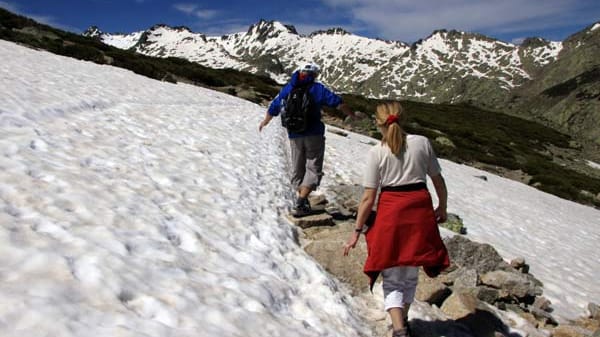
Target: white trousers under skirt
(399,286)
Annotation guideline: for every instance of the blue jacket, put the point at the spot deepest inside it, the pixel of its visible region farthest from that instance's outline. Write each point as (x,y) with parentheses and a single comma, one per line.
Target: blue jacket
(321,95)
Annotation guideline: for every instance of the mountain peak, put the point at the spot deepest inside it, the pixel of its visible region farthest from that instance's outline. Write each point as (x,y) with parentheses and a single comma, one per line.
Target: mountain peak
(264,30)
(331,31)
(93,31)
(165,26)
(534,42)
(271,26)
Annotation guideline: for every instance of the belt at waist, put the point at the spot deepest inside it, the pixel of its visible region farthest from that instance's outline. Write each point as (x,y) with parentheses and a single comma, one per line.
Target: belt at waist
(405,188)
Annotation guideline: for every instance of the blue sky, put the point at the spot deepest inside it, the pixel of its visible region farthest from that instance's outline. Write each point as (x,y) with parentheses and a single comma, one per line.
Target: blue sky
(402,20)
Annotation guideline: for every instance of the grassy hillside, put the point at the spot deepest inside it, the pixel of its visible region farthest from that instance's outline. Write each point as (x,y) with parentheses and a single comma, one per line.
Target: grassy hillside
(493,141)
(465,134)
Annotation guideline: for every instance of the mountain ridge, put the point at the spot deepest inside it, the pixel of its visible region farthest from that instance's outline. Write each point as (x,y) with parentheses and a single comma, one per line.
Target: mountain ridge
(448,66)
(355,64)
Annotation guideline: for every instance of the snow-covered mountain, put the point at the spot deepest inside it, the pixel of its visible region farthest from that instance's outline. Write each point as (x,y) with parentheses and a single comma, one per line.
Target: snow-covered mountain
(550,82)
(445,67)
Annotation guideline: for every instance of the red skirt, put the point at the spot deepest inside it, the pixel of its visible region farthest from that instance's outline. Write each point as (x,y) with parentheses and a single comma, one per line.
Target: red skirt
(405,233)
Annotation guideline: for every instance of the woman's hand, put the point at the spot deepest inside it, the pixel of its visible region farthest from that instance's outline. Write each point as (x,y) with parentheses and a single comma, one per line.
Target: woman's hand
(351,243)
(441,215)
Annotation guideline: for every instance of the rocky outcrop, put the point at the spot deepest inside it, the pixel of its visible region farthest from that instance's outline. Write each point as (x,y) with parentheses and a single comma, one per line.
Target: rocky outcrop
(479,295)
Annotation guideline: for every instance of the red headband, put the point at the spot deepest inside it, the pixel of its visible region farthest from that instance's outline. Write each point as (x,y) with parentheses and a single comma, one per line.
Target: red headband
(391,119)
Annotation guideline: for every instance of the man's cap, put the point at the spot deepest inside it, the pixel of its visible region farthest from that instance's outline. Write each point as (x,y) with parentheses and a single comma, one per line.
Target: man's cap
(310,67)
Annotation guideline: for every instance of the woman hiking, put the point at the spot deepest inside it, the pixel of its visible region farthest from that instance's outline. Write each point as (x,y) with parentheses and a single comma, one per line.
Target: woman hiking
(404,234)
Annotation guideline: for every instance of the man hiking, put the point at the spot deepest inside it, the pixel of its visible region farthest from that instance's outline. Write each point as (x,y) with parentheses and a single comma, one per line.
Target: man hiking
(299,103)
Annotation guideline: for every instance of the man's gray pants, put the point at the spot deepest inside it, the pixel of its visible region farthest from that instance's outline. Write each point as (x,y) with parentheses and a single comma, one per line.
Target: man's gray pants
(307,160)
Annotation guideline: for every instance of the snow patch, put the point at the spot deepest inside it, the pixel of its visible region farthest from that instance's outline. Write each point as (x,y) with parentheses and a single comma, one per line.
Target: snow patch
(593,164)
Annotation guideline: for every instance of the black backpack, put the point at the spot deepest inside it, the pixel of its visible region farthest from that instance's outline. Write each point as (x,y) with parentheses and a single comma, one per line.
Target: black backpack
(297,109)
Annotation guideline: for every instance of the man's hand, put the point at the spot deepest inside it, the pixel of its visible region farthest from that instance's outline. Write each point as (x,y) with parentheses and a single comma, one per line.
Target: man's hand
(264,122)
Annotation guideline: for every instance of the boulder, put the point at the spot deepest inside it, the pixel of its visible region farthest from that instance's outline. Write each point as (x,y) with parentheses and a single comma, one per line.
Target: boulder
(314,220)
(542,303)
(514,283)
(486,294)
(325,244)
(466,253)
(344,198)
(431,290)
(520,265)
(543,316)
(459,305)
(465,278)
(517,262)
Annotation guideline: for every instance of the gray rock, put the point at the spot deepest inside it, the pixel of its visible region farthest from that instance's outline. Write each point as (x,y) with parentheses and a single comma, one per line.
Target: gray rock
(315,220)
(466,278)
(460,305)
(485,294)
(543,316)
(465,253)
(445,141)
(514,283)
(517,262)
(325,245)
(542,303)
(344,199)
(431,290)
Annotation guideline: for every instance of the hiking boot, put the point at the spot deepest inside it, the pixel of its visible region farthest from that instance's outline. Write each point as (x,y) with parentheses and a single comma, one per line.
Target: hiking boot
(302,208)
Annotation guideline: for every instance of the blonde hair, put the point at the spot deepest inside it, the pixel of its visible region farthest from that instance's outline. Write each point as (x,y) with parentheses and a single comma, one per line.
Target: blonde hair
(390,117)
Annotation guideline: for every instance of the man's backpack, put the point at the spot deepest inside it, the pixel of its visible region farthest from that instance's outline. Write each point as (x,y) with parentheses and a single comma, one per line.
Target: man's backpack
(298,109)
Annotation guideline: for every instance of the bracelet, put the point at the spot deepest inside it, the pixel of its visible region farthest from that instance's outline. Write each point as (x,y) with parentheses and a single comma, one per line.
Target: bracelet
(358,230)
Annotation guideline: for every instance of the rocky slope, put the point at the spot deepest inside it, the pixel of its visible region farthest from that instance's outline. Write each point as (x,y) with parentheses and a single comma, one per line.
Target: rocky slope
(566,93)
(479,295)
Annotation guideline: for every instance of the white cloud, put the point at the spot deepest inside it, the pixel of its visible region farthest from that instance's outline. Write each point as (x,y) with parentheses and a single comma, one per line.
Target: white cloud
(409,20)
(185,8)
(192,9)
(9,6)
(206,13)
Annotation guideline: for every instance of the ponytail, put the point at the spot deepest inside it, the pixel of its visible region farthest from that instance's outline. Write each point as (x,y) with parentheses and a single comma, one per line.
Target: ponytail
(390,118)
